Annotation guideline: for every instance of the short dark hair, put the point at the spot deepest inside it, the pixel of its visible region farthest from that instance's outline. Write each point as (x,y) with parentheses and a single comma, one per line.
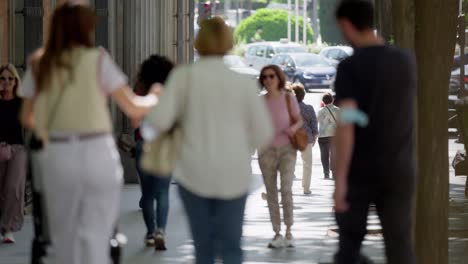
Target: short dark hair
(299,91)
(359,12)
(279,73)
(327,99)
(155,69)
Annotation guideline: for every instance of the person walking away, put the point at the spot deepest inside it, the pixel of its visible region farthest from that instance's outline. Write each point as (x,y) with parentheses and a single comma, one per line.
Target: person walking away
(153,70)
(374,141)
(279,156)
(222,120)
(311,126)
(327,118)
(65,88)
(12,156)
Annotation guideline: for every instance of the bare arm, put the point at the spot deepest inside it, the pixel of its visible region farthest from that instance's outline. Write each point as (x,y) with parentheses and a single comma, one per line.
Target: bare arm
(344,144)
(26,115)
(132,105)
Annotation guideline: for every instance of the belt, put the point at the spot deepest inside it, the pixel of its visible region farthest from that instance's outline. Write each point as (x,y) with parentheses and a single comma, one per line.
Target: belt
(77,137)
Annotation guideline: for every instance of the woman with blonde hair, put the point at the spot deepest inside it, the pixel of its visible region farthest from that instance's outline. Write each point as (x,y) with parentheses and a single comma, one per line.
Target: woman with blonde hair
(66,89)
(222,120)
(12,155)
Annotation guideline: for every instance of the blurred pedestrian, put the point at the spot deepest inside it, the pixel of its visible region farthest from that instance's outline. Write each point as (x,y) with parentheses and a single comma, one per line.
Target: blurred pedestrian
(374,141)
(153,70)
(327,118)
(279,156)
(258,35)
(66,88)
(12,156)
(311,126)
(222,121)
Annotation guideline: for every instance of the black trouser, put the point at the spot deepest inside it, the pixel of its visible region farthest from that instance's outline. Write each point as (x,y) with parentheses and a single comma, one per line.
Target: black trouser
(327,153)
(394,207)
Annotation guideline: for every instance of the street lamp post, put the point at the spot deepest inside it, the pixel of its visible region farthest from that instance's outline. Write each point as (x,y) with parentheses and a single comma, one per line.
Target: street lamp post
(296,7)
(289,20)
(304,22)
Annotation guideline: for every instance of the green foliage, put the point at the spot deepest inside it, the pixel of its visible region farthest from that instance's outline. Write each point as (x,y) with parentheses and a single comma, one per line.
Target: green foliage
(274,24)
(328,27)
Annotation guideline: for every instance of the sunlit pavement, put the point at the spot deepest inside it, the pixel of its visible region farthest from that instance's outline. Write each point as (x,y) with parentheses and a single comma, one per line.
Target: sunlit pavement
(313,229)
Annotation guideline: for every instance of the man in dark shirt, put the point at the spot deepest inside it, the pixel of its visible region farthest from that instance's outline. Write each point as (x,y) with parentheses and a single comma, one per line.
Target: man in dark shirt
(375,88)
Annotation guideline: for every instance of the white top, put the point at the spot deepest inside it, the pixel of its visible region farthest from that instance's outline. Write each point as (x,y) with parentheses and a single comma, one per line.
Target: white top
(327,121)
(223,121)
(110,77)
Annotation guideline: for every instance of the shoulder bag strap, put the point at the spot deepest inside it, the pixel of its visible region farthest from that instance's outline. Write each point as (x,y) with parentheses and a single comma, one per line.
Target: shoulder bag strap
(331,113)
(288,104)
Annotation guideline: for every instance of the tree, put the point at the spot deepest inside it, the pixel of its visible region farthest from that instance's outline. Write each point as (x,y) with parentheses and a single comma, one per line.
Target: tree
(273,22)
(328,27)
(415,24)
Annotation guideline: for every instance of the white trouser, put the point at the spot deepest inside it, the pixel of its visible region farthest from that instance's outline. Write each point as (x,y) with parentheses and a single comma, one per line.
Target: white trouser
(307,167)
(82,183)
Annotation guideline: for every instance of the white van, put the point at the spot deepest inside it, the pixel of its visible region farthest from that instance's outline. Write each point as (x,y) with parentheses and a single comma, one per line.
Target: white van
(259,54)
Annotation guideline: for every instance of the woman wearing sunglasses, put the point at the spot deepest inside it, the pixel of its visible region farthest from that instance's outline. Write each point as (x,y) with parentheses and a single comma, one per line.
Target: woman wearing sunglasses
(280,155)
(12,156)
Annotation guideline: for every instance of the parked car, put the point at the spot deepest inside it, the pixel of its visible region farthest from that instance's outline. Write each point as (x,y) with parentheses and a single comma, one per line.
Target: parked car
(456,61)
(260,54)
(237,64)
(335,55)
(312,70)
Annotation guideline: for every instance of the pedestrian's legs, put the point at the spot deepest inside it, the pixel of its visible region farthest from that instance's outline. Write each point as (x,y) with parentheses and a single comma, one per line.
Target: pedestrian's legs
(395,216)
(148,188)
(147,201)
(332,155)
(200,213)
(162,185)
(307,167)
(229,218)
(287,162)
(352,229)
(325,155)
(269,162)
(100,199)
(59,170)
(12,209)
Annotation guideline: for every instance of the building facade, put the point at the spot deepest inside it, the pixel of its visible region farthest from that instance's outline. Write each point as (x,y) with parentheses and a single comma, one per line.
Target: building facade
(130,30)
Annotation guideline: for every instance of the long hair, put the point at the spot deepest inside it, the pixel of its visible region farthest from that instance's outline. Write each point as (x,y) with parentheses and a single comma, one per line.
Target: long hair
(71,26)
(11,68)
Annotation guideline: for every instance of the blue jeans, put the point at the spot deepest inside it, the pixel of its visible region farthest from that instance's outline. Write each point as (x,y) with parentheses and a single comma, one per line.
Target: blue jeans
(216,227)
(153,188)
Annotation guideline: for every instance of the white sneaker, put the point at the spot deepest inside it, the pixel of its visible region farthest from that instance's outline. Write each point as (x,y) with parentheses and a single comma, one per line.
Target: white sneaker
(289,241)
(149,240)
(277,242)
(160,240)
(8,238)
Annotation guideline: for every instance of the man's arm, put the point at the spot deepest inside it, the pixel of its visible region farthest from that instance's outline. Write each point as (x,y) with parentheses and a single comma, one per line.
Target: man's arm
(344,144)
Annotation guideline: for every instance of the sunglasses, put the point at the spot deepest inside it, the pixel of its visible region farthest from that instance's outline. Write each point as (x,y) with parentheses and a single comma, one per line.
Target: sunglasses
(269,76)
(7,78)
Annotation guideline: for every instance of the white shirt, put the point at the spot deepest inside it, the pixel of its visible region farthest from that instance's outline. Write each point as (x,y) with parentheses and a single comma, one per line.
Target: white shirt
(327,120)
(223,120)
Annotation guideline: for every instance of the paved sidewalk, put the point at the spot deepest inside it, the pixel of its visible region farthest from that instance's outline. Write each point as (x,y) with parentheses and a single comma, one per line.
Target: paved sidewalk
(314,223)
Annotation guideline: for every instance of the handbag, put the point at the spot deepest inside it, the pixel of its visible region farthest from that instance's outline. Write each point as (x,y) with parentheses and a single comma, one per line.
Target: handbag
(160,155)
(6,152)
(299,140)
